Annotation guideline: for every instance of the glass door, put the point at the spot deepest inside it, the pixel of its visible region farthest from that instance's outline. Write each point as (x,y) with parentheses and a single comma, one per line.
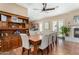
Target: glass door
(56,26)
(60,24)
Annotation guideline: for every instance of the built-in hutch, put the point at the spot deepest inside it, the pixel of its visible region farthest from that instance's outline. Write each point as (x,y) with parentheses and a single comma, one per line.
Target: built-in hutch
(10,27)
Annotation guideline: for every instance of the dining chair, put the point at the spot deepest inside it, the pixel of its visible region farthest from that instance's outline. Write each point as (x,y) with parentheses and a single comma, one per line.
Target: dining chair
(32,32)
(44,44)
(25,42)
(50,41)
(54,40)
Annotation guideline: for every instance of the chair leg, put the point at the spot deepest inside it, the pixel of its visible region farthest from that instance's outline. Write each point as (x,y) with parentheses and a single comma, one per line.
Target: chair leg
(25,51)
(51,47)
(47,49)
(56,43)
(22,51)
(42,52)
(28,52)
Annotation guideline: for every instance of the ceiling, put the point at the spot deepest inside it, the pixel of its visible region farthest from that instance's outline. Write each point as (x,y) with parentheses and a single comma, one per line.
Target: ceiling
(37,14)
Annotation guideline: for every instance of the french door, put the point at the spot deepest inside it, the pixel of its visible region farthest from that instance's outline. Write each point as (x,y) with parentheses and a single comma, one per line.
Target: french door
(56,26)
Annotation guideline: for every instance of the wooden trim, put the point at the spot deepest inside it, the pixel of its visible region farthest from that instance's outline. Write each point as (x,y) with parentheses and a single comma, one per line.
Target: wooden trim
(11,14)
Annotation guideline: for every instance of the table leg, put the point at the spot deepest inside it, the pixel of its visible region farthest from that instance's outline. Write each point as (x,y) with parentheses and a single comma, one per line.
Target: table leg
(35,49)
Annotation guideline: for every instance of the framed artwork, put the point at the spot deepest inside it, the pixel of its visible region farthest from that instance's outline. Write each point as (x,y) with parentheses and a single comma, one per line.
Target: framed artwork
(76,19)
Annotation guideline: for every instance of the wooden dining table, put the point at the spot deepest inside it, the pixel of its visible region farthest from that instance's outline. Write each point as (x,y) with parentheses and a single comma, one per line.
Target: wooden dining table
(35,41)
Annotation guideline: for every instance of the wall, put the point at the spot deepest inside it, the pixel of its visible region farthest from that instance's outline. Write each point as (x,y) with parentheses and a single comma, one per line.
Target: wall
(67,17)
(43,21)
(13,8)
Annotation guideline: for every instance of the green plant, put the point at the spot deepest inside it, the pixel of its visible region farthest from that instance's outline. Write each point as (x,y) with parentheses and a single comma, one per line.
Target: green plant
(65,31)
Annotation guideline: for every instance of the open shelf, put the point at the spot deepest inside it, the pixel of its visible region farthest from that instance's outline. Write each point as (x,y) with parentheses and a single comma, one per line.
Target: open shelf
(13,22)
(10,27)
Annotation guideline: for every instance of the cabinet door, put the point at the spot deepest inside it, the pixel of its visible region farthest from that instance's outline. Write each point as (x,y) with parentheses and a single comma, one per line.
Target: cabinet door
(14,42)
(4,45)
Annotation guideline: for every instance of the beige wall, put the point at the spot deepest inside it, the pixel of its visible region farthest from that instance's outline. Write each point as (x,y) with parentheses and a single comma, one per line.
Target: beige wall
(67,17)
(13,8)
(43,21)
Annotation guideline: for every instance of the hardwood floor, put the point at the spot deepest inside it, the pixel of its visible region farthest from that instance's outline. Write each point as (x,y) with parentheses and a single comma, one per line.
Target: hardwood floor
(65,48)
(62,48)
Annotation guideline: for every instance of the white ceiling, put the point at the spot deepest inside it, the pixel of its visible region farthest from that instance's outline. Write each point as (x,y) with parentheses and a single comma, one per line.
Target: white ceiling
(37,14)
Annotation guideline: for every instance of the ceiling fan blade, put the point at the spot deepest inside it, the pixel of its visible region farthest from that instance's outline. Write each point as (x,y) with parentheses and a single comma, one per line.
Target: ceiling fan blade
(51,8)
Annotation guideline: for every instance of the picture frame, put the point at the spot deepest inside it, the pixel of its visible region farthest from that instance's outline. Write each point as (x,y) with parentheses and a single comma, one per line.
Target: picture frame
(76,19)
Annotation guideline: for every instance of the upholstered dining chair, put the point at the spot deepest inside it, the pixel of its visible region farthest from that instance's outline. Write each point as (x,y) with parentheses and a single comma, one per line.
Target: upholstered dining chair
(44,44)
(25,42)
(50,40)
(54,40)
(32,32)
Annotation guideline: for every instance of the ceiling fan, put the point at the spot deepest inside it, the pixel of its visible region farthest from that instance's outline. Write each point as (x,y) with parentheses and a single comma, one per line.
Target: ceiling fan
(45,7)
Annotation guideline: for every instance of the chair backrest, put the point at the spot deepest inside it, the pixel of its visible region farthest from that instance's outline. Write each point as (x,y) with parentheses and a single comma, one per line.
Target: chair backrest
(54,36)
(25,40)
(31,32)
(44,42)
(50,39)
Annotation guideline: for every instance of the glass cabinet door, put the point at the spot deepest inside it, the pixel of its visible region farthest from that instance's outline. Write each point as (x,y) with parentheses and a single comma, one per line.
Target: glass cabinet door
(3,18)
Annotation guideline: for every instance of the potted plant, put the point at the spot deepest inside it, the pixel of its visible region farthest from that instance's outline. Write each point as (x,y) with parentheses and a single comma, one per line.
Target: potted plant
(65,31)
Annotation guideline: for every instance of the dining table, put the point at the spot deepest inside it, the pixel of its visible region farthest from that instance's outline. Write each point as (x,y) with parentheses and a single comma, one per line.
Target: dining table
(35,41)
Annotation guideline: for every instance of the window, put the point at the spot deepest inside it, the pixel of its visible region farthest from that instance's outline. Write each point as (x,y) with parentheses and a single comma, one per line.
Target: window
(54,26)
(46,25)
(40,27)
(60,24)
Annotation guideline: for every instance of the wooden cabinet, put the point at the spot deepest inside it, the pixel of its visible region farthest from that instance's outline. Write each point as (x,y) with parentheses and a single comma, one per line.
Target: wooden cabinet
(9,21)
(10,42)
(10,24)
